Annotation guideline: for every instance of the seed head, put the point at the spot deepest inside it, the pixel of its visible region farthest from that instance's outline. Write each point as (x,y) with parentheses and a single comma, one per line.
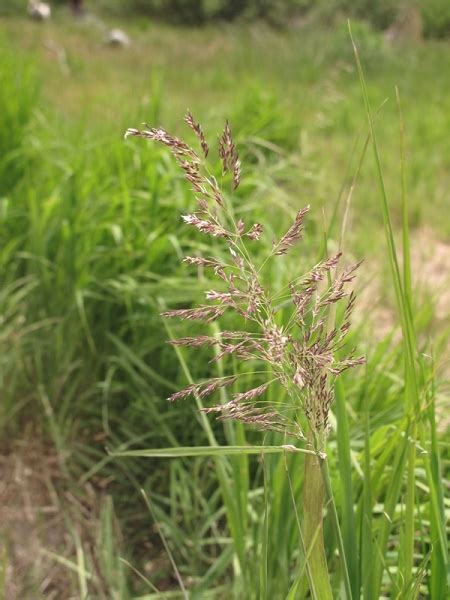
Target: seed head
(302,352)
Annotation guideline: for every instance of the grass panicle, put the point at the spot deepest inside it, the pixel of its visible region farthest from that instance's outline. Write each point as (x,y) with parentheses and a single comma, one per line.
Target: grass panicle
(302,354)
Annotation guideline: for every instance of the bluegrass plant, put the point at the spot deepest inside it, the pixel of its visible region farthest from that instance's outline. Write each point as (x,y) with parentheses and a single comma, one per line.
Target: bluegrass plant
(289,339)
(295,340)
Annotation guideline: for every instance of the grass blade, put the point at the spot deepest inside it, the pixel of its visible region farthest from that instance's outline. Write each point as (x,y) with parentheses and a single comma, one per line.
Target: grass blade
(210,451)
(350,545)
(366,513)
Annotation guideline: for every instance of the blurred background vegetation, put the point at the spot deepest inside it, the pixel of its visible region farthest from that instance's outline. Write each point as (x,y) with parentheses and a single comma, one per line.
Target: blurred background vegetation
(435,14)
(91,240)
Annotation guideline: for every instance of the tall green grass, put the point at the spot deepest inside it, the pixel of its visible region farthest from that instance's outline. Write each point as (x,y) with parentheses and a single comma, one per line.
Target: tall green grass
(386,557)
(90,246)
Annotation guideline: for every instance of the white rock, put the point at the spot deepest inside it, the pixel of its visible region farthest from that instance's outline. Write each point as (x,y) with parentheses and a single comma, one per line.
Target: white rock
(40,11)
(117,37)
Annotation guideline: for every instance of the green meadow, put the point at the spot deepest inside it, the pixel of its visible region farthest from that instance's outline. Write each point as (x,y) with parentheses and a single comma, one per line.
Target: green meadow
(91,242)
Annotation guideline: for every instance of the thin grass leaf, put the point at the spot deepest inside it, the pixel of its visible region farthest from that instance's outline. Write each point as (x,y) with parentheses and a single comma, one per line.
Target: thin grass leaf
(140,575)
(211,451)
(66,563)
(407,538)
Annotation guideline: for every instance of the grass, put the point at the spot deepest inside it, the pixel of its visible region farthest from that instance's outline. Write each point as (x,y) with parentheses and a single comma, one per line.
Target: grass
(91,238)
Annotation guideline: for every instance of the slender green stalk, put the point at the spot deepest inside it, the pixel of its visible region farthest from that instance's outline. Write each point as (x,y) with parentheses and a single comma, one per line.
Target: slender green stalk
(337,529)
(263,567)
(440,573)
(366,513)
(407,541)
(296,586)
(405,206)
(313,502)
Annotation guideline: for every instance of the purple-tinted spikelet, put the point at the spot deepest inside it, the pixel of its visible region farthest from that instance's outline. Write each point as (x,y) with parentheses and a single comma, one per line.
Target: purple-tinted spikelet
(196,128)
(229,156)
(293,234)
(205,226)
(303,353)
(202,390)
(202,313)
(255,232)
(200,340)
(251,394)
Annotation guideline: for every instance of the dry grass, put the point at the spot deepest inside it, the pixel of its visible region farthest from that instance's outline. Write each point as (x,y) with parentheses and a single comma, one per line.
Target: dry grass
(43,523)
(295,334)
(31,521)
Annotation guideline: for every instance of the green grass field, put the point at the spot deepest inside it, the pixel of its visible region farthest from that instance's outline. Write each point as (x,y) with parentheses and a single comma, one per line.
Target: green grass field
(90,244)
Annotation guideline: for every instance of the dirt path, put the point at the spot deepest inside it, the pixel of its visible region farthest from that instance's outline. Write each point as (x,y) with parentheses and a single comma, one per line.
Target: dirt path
(31,522)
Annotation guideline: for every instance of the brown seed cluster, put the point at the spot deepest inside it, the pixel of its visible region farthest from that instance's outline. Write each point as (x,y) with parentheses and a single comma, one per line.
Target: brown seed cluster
(229,156)
(306,352)
(293,234)
(196,128)
(202,390)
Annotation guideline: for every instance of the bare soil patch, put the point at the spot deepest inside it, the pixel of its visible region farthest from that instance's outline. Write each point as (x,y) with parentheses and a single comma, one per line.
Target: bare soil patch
(31,522)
